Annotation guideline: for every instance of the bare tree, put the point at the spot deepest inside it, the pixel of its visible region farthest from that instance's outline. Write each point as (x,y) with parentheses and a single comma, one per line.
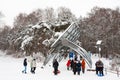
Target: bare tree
(1,21)
(4,37)
(65,14)
(101,24)
(39,13)
(49,15)
(20,20)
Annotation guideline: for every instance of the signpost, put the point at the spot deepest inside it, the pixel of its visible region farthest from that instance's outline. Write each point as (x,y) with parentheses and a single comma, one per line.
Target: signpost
(98,43)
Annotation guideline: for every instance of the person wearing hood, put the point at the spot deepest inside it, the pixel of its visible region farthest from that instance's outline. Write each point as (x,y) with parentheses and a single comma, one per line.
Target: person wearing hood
(25,66)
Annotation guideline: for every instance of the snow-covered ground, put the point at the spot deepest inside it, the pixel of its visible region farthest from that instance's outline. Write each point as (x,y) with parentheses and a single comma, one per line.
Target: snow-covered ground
(11,69)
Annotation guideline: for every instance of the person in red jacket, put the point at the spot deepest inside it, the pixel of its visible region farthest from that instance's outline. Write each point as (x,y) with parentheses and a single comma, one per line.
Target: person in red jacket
(83,65)
(68,64)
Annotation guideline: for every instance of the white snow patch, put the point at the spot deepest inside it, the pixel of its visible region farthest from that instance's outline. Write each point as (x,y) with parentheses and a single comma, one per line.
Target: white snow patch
(36,26)
(46,42)
(57,34)
(26,39)
(11,69)
(46,25)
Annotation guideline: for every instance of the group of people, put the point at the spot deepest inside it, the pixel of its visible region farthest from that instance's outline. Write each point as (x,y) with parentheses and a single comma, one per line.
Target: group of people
(76,66)
(32,65)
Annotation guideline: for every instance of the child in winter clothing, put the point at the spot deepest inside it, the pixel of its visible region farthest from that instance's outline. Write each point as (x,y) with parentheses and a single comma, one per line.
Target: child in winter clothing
(25,66)
(68,64)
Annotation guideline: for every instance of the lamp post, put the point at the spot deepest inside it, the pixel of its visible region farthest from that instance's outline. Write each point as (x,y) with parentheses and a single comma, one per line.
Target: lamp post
(99,48)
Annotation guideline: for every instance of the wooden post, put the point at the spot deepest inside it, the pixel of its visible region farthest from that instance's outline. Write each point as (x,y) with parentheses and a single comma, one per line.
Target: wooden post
(105,71)
(117,69)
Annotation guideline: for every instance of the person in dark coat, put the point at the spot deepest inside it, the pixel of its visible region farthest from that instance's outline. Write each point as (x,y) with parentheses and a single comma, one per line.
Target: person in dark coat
(55,66)
(78,65)
(99,67)
(74,67)
(72,63)
(25,66)
(76,58)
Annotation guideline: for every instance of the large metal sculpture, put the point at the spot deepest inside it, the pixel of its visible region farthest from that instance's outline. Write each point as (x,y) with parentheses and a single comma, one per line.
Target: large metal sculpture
(68,38)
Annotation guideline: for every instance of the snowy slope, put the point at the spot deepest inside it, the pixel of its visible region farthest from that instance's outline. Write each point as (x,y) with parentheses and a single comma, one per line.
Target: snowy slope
(10,69)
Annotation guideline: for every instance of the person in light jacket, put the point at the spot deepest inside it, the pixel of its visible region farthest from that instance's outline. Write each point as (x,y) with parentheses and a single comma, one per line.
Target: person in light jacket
(33,66)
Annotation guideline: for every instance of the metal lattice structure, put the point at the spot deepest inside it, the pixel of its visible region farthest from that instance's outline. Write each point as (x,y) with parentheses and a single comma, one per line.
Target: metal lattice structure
(69,38)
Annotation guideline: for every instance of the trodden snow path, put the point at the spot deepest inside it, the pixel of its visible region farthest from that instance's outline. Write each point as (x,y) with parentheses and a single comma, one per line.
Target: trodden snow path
(11,69)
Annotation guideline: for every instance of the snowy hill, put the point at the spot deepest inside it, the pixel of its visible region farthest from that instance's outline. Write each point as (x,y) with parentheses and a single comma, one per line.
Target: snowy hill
(10,69)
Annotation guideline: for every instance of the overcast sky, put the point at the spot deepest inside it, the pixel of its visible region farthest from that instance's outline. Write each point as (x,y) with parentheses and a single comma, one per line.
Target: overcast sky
(11,8)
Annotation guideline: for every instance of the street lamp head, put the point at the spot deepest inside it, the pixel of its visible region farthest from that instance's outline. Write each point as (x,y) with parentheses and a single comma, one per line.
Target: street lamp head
(98,42)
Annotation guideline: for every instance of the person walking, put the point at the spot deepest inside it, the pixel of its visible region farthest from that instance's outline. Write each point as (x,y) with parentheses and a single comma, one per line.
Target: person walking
(33,66)
(25,66)
(55,66)
(83,66)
